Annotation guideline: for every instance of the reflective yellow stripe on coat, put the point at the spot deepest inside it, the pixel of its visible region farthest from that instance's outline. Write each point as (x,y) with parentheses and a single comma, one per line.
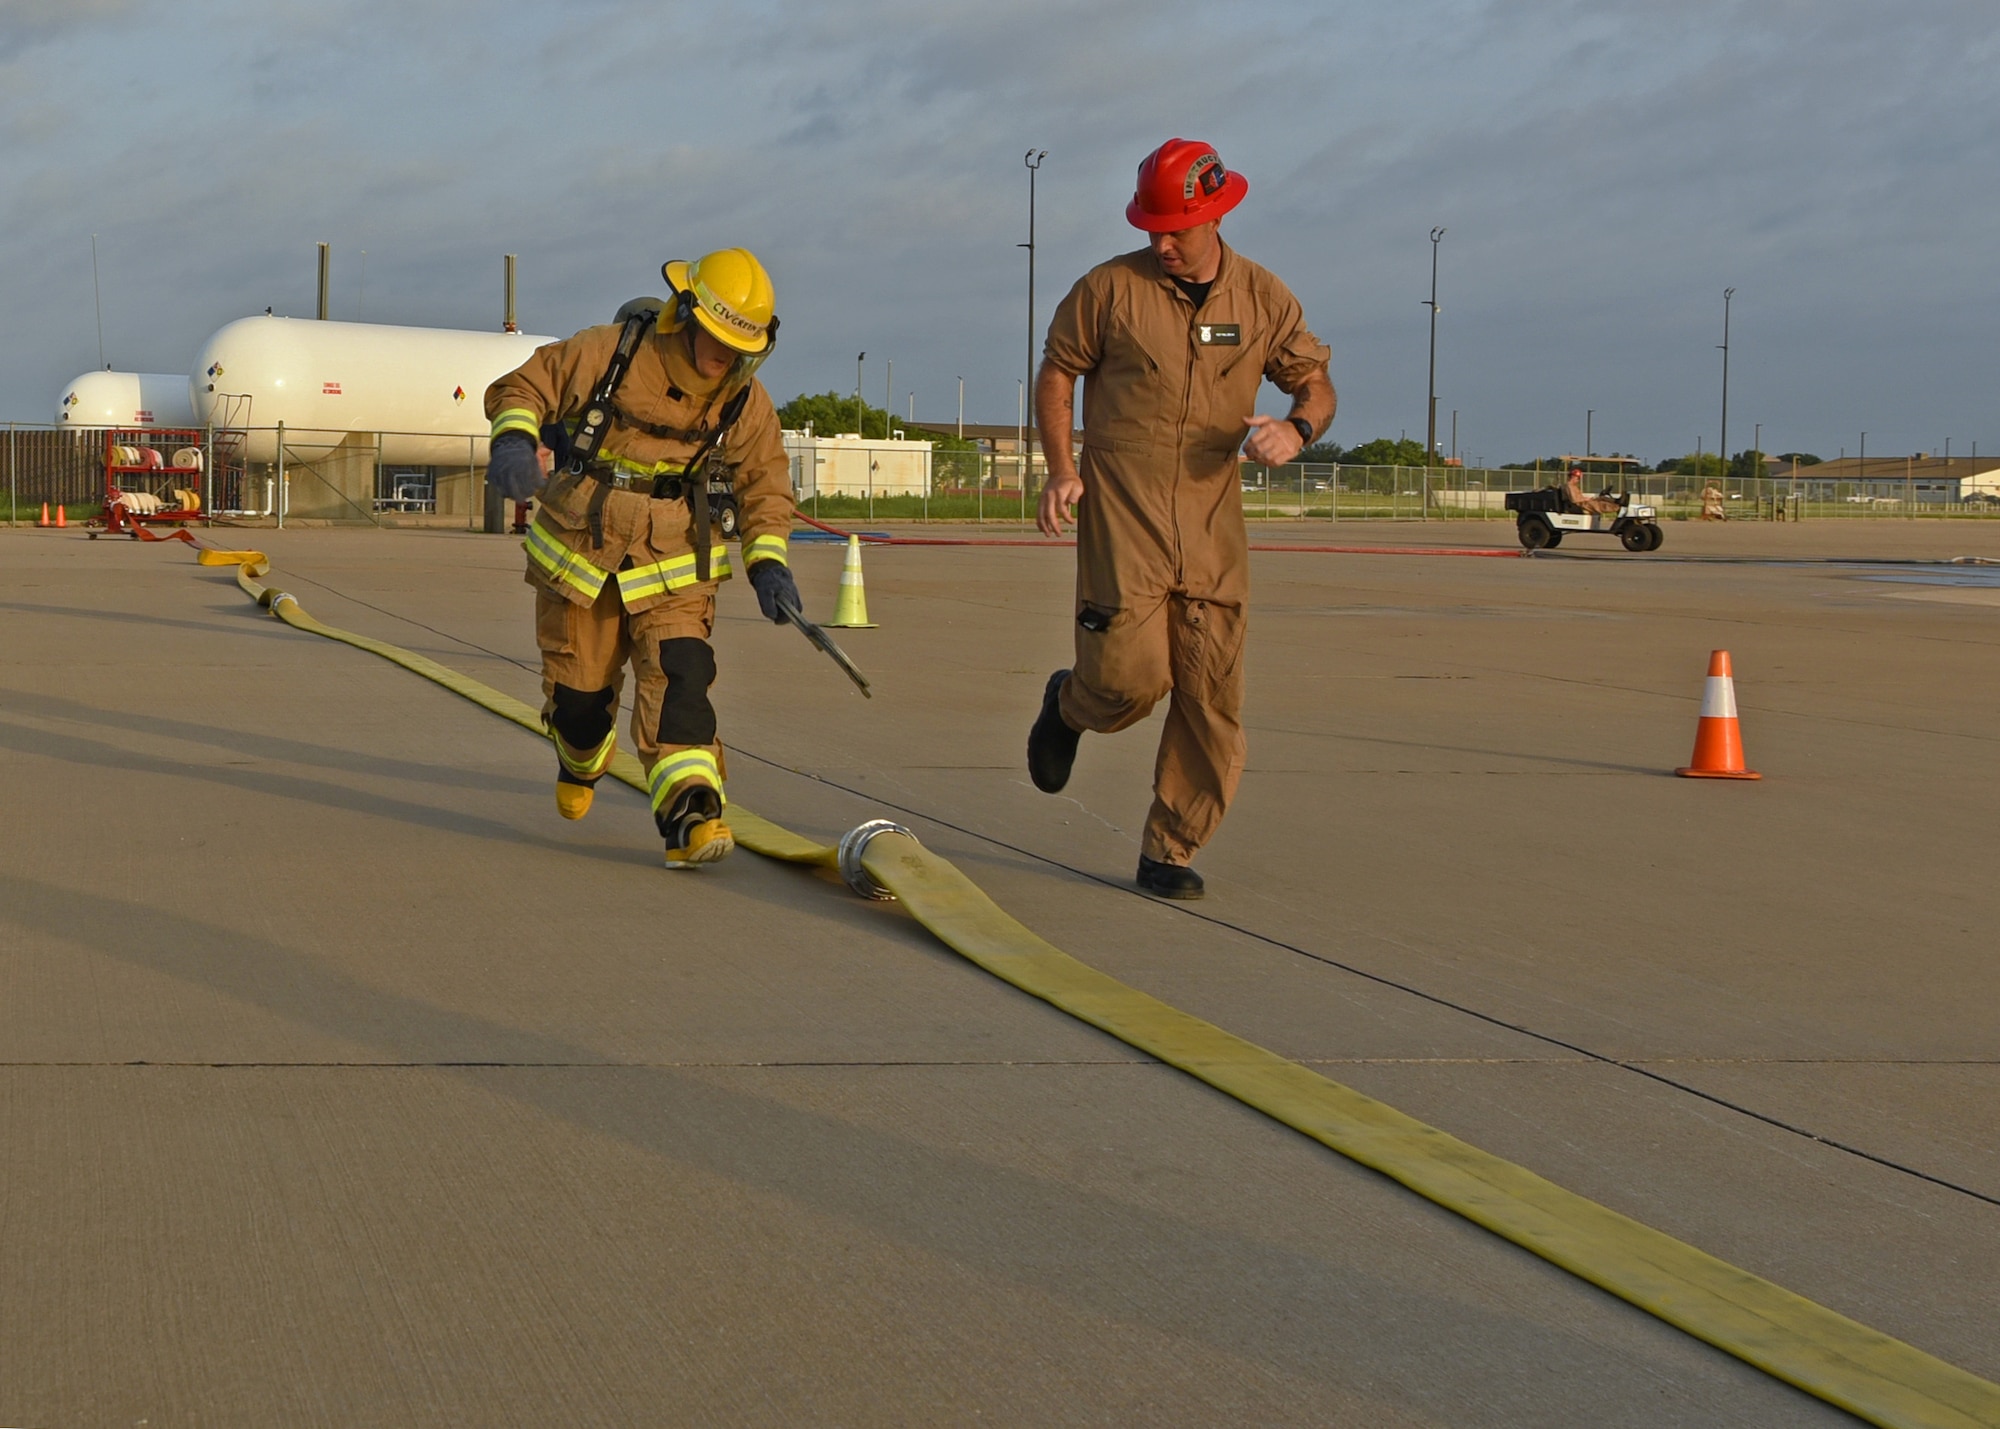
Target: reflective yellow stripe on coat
(766,548)
(674,573)
(688,763)
(518,419)
(564,566)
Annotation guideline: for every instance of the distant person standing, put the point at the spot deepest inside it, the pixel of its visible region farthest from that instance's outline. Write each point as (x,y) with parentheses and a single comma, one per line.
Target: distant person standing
(1712,508)
(1172,343)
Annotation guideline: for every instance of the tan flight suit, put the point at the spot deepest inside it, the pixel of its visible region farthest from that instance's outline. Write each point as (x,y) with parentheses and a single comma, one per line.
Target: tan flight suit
(633,592)
(1163,573)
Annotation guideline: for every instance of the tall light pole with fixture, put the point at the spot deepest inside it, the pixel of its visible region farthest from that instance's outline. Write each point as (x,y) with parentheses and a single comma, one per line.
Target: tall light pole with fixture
(1722,446)
(1033,160)
(860,408)
(1431,402)
(961,409)
(1589,416)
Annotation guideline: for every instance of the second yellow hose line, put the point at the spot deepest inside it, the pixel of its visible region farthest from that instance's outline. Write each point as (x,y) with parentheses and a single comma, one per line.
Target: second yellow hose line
(1870,1374)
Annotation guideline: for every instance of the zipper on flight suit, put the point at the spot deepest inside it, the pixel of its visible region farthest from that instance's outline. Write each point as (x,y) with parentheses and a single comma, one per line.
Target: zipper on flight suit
(1180,432)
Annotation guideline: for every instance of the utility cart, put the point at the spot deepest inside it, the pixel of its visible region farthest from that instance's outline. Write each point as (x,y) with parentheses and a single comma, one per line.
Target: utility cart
(1542,518)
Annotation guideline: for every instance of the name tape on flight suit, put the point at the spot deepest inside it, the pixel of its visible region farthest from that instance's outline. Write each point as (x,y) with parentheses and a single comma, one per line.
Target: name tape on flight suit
(1218,334)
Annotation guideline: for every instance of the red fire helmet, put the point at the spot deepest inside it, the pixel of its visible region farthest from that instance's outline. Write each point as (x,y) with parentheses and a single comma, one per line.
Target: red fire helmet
(1181,184)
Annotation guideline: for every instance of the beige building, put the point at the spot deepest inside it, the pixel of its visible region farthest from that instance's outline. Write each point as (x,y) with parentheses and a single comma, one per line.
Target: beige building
(847,465)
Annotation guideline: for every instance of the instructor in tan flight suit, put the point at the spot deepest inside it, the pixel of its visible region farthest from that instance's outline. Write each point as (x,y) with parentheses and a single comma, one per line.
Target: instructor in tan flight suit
(1172,343)
(621,555)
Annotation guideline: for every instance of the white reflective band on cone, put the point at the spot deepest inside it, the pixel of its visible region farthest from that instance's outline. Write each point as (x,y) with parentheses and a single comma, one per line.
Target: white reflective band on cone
(1718,698)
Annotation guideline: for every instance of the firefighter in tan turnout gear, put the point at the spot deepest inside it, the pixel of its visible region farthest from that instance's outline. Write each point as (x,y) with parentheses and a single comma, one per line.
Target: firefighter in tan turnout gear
(1172,343)
(621,552)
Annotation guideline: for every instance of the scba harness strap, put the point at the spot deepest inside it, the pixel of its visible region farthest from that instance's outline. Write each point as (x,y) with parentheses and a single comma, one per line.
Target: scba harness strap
(691,481)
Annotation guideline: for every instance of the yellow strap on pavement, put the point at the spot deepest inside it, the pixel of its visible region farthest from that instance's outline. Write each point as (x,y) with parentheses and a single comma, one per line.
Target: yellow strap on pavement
(1869,1374)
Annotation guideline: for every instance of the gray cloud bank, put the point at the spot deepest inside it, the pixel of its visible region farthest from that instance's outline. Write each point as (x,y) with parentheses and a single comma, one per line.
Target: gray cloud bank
(1604,171)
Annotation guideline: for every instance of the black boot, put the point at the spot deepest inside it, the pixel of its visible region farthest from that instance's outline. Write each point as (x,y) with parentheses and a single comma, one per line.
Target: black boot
(1169,880)
(1052,743)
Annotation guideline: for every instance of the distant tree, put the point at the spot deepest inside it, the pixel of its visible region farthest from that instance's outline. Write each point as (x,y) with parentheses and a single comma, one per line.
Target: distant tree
(1708,464)
(830,413)
(1559,464)
(1384,452)
(1320,453)
(1802,458)
(1748,464)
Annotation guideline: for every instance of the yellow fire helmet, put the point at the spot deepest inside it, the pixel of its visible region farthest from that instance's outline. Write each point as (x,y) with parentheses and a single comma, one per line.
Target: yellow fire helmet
(729,294)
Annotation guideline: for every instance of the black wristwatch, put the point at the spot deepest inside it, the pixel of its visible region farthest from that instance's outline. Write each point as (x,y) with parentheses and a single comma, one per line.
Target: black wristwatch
(1304,429)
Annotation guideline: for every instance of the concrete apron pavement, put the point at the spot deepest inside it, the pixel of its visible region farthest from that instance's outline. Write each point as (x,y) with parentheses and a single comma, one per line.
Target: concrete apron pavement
(347,1082)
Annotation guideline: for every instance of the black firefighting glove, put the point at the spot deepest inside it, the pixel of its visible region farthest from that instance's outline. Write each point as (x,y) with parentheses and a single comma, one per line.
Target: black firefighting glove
(775,587)
(514,469)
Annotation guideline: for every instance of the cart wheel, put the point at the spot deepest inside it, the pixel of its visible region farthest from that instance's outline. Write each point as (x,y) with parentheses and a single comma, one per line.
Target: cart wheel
(725,520)
(1634,538)
(1656,537)
(1535,533)
(1555,537)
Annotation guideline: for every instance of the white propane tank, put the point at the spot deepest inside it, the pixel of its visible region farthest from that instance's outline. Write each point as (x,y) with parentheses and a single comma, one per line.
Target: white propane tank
(126,399)
(423,388)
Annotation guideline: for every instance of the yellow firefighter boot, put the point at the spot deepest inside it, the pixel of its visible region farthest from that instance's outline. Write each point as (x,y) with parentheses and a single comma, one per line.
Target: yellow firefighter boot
(573,800)
(694,829)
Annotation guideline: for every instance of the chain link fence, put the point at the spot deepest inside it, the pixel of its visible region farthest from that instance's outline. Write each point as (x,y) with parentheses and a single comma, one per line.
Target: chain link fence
(357,478)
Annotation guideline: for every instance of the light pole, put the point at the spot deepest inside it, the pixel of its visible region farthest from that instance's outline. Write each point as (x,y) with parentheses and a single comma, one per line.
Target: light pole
(860,408)
(1431,400)
(1589,416)
(1722,447)
(1033,161)
(961,409)
(888,398)
(1021,440)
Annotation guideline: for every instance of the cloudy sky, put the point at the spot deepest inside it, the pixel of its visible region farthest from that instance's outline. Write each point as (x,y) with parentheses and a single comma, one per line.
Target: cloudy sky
(1603,169)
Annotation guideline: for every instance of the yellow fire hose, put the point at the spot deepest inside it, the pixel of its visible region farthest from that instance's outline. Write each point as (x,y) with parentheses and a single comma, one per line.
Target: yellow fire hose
(1870,1374)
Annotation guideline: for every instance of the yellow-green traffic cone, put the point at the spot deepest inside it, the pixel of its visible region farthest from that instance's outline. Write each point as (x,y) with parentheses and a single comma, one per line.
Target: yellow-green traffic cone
(852,611)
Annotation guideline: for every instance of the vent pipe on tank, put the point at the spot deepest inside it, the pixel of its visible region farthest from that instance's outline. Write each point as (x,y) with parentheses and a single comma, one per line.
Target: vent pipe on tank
(325,266)
(507,323)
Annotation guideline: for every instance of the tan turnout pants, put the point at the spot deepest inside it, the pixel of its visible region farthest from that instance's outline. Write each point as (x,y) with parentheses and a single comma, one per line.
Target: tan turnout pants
(586,648)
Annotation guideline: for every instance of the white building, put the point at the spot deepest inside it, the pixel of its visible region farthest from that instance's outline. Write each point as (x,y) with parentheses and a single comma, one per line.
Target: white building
(848,465)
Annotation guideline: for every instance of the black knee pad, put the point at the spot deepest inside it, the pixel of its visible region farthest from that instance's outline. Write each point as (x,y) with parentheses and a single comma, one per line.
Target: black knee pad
(686,716)
(583,717)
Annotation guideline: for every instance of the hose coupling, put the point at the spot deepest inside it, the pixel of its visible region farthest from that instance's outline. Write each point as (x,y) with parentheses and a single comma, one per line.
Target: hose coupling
(853,844)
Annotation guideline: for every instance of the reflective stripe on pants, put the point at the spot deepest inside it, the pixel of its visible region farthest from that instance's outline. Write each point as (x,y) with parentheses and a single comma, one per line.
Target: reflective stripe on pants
(678,768)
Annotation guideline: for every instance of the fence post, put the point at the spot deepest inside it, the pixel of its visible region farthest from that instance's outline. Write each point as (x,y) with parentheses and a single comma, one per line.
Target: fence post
(13,485)
(280,502)
(208,474)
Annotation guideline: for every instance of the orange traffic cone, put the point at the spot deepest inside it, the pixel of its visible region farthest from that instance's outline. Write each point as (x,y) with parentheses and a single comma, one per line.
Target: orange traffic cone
(1718,738)
(45,515)
(62,518)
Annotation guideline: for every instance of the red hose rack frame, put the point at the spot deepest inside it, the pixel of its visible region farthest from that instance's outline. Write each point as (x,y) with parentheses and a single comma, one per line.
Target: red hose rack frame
(158,480)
